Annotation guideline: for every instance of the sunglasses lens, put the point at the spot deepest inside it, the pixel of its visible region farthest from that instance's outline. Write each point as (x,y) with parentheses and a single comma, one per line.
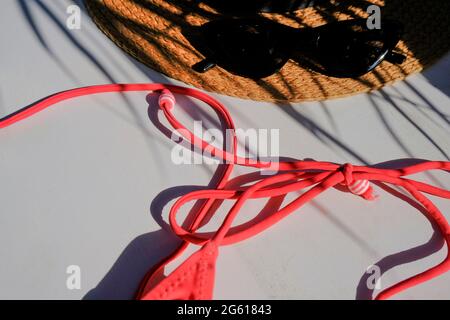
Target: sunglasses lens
(253,6)
(251,49)
(352,49)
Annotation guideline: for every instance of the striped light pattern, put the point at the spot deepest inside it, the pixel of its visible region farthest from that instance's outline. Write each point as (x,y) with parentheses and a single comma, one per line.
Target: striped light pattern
(166,99)
(359,187)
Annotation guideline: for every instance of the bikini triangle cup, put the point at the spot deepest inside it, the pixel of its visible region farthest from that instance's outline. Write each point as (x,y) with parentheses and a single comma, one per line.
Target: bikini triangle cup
(194,278)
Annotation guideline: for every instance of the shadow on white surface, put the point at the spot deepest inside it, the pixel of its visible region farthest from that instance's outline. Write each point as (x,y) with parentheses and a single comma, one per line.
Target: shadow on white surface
(139,257)
(439,75)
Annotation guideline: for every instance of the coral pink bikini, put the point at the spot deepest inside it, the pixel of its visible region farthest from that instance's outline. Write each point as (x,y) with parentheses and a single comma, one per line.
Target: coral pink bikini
(194,278)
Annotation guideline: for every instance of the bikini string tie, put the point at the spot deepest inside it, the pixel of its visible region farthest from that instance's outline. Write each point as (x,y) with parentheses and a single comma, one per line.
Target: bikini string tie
(361,187)
(194,278)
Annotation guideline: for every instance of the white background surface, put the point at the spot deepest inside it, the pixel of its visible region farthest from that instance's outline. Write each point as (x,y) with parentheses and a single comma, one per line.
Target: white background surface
(82,183)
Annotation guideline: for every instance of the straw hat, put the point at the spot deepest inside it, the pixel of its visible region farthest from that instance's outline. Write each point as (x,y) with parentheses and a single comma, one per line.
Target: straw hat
(152,32)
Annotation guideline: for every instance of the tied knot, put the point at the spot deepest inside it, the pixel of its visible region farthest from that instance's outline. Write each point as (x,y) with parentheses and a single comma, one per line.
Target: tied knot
(357,187)
(347,171)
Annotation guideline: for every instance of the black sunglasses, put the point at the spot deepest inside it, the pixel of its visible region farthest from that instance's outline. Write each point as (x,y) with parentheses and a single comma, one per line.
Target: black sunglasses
(254,6)
(257,47)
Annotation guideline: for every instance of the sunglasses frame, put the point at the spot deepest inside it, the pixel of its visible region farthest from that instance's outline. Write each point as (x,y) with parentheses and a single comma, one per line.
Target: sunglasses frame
(307,44)
(261,6)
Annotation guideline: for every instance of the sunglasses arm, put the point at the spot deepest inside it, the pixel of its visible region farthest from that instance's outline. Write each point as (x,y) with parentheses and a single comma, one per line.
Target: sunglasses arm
(204,65)
(395,57)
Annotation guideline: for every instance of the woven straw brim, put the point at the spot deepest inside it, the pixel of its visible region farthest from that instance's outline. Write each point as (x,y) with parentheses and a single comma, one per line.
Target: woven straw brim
(152,31)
